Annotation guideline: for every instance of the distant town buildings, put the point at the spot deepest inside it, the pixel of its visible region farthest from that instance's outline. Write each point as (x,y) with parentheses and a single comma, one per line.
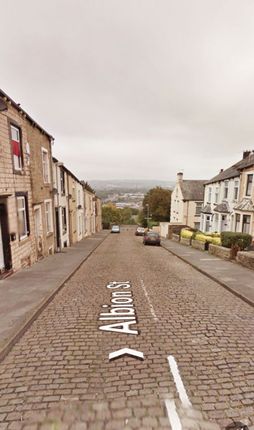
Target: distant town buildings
(42,203)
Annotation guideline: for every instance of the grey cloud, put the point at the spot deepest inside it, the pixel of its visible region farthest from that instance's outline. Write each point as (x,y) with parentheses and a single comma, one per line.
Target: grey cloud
(123,85)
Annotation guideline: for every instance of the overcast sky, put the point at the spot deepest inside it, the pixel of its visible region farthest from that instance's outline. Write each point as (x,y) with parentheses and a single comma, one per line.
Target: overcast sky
(134,88)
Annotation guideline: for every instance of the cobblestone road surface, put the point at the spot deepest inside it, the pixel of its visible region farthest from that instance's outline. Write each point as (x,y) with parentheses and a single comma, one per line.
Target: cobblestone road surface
(58,375)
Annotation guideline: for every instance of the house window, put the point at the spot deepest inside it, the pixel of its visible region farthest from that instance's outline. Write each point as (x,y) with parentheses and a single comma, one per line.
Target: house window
(22,217)
(237,222)
(236,190)
(62,181)
(16,147)
(79,202)
(45,165)
(64,221)
(226,190)
(249,185)
(197,225)
(216,194)
(79,225)
(209,195)
(48,213)
(246,224)
(198,208)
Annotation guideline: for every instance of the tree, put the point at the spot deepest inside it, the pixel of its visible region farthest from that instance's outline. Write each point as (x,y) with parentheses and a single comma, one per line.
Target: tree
(113,215)
(157,202)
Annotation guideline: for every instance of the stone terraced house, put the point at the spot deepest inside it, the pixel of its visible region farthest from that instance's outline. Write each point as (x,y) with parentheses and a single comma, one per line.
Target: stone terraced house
(228,200)
(61,205)
(187,201)
(26,223)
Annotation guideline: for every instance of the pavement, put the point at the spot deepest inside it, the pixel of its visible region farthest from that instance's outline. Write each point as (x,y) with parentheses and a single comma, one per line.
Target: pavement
(231,275)
(27,292)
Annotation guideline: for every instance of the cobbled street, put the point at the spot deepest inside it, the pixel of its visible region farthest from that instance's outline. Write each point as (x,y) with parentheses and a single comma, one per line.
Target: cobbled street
(58,376)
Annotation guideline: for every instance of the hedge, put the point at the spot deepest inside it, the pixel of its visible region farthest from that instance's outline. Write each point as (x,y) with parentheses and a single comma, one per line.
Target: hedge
(187,234)
(208,239)
(231,239)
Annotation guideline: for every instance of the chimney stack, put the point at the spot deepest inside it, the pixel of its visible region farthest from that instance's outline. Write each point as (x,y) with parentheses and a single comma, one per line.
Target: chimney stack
(179,177)
(246,154)
(221,170)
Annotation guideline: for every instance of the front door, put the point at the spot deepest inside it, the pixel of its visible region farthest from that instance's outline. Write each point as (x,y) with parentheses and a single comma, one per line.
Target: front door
(5,252)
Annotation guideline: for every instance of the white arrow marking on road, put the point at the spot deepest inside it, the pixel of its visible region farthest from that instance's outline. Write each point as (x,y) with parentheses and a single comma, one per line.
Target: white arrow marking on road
(127,351)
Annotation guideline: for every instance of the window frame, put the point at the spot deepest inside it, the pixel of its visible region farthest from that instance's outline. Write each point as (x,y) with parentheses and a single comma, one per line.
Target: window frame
(226,188)
(13,125)
(25,210)
(244,223)
(47,179)
(64,220)
(48,201)
(249,175)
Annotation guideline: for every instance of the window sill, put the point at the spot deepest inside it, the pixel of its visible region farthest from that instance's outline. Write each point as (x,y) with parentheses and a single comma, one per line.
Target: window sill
(50,234)
(18,172)
(24,240)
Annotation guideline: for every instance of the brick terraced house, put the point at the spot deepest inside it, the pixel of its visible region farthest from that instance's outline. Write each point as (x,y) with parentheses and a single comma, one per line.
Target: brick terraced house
(24,187)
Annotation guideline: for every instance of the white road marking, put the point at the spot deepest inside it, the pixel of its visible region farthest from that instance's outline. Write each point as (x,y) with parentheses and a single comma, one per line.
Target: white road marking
(173,415)
(178,382)
(128,351)
(149,302)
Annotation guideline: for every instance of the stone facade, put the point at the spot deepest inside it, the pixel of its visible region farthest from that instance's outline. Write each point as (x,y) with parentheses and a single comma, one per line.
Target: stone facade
(17,239)
(90,218)
(39,145)
(61,205)
(243,220)
(98,214)
(186,202)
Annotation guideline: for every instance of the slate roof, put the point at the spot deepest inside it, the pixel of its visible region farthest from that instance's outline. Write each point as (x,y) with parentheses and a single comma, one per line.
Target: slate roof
(233,171)
(207,209)
(245,205)
(222,208)
(192,189)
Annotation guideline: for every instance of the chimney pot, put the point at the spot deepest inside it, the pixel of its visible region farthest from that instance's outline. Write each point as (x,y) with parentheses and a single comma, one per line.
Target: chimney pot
(179,176)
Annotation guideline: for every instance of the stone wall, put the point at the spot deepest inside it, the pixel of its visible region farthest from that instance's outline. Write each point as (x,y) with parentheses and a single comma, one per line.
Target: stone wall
(185,241)
(220,251)
(175,237)
(197,244)
(246,259)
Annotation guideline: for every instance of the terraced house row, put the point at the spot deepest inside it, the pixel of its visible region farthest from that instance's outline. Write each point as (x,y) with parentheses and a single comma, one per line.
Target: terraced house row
(223,203)
(44,207)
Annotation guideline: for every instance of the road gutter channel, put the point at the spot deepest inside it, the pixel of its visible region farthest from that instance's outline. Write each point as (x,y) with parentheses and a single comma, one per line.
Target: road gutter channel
(213,278)
(6,348)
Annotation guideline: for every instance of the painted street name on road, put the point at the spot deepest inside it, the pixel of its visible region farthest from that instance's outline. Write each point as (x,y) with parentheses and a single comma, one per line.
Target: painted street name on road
(121,309)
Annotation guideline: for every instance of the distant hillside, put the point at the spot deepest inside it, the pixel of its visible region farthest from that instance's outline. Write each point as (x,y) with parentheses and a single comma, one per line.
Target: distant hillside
(129,184)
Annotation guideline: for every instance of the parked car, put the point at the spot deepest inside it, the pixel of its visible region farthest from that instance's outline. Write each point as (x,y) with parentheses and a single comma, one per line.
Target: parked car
(115,229)
(140,231)
(152,238)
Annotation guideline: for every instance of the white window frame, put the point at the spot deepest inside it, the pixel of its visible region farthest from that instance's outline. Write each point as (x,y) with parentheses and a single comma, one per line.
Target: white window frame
(24,210)
(210,195)
(217,192)
(226,189)
(17,160)
(50,230)
(45,166)
(236,187)
(246,187)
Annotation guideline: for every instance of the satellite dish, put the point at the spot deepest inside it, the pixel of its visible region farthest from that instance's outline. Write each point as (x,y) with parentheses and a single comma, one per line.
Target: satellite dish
(3,105)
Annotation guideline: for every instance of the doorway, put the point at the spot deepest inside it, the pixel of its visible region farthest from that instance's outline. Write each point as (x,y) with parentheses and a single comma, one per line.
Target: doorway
(5,251)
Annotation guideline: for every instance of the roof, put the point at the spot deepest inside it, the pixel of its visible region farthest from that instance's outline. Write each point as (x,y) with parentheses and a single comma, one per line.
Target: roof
(222,207)
(28,117)
(207,209)
(233,171)
(245,205)
(192,189)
